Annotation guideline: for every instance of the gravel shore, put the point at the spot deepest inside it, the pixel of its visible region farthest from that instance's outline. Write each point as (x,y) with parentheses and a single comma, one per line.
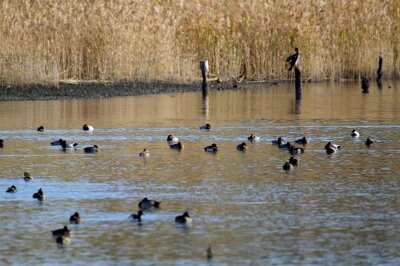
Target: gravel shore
(86,90)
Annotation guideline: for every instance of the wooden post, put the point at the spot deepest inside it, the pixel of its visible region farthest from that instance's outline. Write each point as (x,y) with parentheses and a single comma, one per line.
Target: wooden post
(297,74)
(364,84)
(380,72)
(204,70)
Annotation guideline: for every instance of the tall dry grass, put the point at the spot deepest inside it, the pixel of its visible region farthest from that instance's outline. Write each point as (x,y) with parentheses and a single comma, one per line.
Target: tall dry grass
(47,41)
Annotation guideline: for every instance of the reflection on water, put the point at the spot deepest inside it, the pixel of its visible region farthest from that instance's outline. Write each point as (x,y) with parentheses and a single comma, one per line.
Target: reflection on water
(339,209)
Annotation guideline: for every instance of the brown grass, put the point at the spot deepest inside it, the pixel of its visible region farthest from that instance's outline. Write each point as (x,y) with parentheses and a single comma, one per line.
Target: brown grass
(48,41)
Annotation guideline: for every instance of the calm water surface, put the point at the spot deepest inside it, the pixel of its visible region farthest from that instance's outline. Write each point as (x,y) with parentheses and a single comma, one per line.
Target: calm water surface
(340,209)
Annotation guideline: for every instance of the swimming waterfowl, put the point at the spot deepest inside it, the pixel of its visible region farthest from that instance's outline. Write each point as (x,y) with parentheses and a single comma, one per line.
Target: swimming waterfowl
(287,166)
(331,148)
(242,146)
(39,195)
(57,142)
(354,133)
(1,143)
(137,217)
(40,129)
(144,153)
(87,127)
(63,240)
(287,146)
(75,218)
(303,141)
(209,253)
(11,189)
(176,146)
(93,149)
(278,141)
(172,138)
(65,231)
(253,138)
(369,141)
(145,204)
(206,126)
(212,148)
(27,177)
(295,150)
(183,219)
(293,161)
(293,59)
(68,146)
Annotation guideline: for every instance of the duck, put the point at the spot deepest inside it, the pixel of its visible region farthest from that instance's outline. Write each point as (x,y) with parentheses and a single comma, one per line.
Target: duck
(39,195)
(287,166)
(1,143)
(93,149)
(65,231)
(295,150)
(11,189)
(253,138)
(145,203)
(212,148)
(331,148)
(63,240)
(68,146)
(183,219)
(293,59)
(278,141)
(144,153)
(137,217)
(287,146)
(40,129)
(27,177)
(302,140)
(209,253)
(87,127)
(242,146)
(176,146)
(369,141)
(206,126)
(75,218)
(355,134)
(58,142)
(172,138)
(293,161)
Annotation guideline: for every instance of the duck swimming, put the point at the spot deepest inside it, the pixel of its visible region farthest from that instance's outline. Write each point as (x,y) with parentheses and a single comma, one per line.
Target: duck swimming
(11,189)
(206,126)
(145,204)
(303,141)
(87,127)
(287,166)
(68,146)
(286,146)
(39,195)
(369,141)
(183,219)
(295,150)
(293,161)
(212,148)
(355,134)
(27,177)
(57,142)
(137,217)
(93,149)
(176,146)
(254,138)
(144,153)
(172,138)
(278,141)
(242,146)
(75,218)
(40,129)
(65,231)
(331,148)
(1,143)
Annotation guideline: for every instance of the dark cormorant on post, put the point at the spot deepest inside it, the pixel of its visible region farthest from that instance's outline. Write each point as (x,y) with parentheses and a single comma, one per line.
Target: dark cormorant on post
(293,59)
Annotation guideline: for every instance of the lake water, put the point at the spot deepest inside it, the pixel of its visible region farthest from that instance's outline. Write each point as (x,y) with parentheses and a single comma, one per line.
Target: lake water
(341,209)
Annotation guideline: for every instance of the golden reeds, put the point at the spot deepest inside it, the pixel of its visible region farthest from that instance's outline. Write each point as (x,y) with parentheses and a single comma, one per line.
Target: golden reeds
(48,41)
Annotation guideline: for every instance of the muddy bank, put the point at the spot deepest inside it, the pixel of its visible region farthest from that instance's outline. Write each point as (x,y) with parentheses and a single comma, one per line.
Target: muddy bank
(87,90)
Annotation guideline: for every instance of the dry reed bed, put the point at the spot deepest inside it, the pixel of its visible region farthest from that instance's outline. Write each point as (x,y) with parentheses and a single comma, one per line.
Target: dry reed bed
(43,42)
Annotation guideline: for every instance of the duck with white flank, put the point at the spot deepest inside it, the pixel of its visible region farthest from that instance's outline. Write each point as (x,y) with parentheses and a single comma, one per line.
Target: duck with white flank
(39,195)
(11,189)
(303,141)
(146,204)
(93,149)
(62,236)
(172,138)
(331,148)
(40,129)
(254,138)
(295,150)
(68,146)
(242,146)
(212,148)
(355,134)
(287,166)
(145,153)
(183,219)
(137,217)
(27,177)
(293,161)
(176,146)
(369,141)
(87,127)
(75,218)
